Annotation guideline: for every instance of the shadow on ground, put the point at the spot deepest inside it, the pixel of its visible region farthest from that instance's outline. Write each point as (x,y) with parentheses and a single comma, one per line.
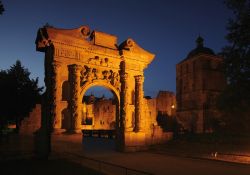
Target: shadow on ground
(31,166)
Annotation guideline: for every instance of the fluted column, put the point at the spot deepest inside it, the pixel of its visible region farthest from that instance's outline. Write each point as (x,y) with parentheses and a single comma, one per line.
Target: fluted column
(75,101)
(56,97)
(139,95)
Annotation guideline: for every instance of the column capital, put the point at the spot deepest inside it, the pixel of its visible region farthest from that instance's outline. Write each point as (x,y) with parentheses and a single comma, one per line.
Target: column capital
(56,64)
(139,78)
(124,76)
(75,68)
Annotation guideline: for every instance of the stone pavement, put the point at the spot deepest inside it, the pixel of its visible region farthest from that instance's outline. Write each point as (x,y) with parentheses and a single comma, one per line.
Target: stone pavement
(236,153)
(53,166)
(153,161)
(100,154)
(16,157)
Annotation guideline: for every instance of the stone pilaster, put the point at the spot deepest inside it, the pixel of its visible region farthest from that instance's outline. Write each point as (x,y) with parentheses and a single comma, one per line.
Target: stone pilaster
(56,97)
(139,95)
(75,101)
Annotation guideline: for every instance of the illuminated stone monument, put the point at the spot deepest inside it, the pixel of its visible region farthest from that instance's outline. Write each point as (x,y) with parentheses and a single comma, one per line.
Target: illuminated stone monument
(78,59)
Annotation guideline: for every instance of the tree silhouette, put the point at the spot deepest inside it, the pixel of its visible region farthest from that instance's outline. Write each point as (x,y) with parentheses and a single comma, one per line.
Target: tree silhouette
(18,92)
(1,8)
(235,100)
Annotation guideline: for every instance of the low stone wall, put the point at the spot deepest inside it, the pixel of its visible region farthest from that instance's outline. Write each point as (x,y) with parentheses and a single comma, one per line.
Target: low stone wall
(31,123)
(157,136)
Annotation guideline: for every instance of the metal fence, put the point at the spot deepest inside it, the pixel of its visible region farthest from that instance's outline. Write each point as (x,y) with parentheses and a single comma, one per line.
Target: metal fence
(106,167)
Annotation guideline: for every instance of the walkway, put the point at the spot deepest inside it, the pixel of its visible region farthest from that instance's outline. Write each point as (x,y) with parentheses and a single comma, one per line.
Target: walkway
(152,162)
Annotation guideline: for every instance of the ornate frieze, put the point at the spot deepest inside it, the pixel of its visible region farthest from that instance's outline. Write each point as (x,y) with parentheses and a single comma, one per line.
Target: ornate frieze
(81,56)
(100,61)
(90,74)
(67,53)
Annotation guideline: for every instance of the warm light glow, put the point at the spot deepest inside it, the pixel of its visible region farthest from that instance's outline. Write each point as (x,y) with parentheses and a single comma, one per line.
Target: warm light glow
(172,106)
(84,107)
(12,126)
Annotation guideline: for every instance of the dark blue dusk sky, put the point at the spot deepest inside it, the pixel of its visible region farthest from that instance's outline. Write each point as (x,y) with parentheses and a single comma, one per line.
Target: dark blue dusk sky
(164,27)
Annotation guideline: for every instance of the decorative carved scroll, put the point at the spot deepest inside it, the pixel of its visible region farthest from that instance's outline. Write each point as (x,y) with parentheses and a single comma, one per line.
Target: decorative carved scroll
(85,30)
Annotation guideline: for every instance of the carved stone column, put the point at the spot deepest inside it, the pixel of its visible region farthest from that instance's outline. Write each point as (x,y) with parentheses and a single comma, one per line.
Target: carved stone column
(139,95)
(56,97)
(75,101)
(123,100)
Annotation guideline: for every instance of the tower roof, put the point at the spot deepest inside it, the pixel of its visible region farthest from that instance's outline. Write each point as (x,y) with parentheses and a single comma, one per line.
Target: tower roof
(200,49)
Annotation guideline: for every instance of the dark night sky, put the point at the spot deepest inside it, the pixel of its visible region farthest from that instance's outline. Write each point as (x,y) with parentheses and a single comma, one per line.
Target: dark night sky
(165,27)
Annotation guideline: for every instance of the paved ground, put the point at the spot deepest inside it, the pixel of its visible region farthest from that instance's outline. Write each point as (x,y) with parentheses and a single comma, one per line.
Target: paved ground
(16,158)
(153,162)
(70,148)
(217,147)
(30,166)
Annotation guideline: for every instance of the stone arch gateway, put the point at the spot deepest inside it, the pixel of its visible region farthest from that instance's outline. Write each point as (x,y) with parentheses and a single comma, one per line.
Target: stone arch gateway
(77,59)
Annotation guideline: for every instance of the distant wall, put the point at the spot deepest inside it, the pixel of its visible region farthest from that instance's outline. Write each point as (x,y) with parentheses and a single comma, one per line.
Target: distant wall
(32,122)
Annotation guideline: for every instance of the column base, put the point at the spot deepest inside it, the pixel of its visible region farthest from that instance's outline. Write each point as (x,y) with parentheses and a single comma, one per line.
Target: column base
(74,131)
(58,131)
(134,141)
(129,129)
(136,130)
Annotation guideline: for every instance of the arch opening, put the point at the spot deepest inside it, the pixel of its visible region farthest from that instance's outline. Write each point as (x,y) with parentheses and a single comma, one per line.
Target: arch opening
(99,111)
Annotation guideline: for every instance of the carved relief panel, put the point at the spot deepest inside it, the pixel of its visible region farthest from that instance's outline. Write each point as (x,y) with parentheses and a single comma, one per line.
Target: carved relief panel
(90,74)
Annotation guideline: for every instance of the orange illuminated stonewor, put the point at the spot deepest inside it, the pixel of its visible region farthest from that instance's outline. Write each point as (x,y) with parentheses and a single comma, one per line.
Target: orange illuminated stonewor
(78,59)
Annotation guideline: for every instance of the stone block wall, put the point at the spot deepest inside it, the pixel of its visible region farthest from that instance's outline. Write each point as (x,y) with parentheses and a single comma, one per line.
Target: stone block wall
(32,122)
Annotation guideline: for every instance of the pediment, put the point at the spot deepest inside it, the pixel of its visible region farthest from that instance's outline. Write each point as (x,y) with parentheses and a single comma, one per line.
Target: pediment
(131,50)
(76,37)
(82,37)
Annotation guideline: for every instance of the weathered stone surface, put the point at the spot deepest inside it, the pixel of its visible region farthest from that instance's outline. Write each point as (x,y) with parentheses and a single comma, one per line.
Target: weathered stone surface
(32,122)
(199,81)
(77,59)
(166,103)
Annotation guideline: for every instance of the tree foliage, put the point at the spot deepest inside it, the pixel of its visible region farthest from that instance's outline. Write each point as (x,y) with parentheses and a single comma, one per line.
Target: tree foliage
(1,8)
(237,53)
(235,100)
(19,93)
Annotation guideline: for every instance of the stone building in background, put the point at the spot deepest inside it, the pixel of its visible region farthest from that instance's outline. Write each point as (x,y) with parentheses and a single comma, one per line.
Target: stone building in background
(166,103)
(166,110)
(98,113)
(199,81)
